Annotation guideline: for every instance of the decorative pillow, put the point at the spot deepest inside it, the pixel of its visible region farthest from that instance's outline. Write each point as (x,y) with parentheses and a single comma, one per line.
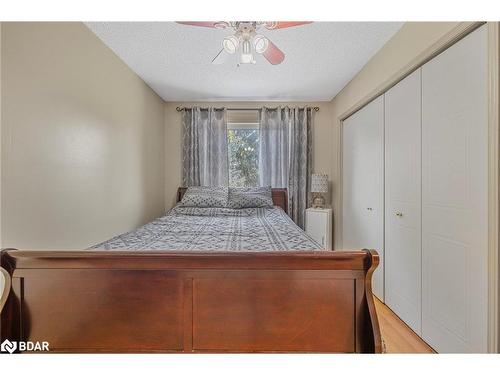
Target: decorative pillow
(205,196)
(250,197)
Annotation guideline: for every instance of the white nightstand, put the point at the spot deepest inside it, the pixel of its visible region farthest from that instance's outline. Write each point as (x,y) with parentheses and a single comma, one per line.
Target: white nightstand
(319,225)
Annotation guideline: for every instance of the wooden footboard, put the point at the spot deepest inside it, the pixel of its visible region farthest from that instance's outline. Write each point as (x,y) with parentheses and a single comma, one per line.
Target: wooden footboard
(125,301)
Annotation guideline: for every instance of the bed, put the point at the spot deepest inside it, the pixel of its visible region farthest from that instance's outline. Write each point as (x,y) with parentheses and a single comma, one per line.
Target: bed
(196,281)
(261,229)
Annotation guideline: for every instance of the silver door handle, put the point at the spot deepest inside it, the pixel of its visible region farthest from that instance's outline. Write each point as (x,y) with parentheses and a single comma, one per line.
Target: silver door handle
(399,214)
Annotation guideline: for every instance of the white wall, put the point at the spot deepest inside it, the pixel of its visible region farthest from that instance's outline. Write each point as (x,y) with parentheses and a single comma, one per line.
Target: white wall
(82,140)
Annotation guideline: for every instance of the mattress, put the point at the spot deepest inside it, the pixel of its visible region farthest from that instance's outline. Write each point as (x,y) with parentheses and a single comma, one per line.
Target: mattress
(217,229)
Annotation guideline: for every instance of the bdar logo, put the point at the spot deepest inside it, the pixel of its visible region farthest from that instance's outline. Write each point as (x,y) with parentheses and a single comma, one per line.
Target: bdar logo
(23,346)
(8,346)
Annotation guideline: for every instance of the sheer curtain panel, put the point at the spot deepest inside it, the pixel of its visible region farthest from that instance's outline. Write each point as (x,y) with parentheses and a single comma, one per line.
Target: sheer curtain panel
(204,155)
(285,156)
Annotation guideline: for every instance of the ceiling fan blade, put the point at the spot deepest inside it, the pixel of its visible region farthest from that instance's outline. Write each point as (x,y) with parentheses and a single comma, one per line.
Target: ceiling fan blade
(285,24)
(216,24)
(220,58)
(273,54)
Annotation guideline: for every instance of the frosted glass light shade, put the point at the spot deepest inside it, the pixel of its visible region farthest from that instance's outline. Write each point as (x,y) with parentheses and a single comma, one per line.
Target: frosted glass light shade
(319,183)
(246,54)
(261,43)
(230,44)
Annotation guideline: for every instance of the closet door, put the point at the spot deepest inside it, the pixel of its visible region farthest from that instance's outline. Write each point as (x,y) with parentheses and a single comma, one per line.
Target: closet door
(454,197)
(403,247)
(363,179)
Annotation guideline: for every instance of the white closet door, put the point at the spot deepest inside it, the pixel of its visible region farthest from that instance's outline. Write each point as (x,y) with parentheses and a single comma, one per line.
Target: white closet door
(454,197)
(363,179)
(403,208)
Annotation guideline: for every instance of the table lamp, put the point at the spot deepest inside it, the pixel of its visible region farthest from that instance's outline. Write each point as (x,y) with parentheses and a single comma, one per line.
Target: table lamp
(319,185)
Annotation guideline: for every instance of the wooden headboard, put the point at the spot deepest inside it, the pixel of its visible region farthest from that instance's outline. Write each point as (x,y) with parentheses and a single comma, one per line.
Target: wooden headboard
(280,197)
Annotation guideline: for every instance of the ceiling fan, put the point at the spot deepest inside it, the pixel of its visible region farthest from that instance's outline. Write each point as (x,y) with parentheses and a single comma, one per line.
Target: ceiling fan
(246,40)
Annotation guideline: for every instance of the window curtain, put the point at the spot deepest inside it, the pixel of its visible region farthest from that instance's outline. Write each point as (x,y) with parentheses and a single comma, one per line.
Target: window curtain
(285,156)
(274,147)
(204,159)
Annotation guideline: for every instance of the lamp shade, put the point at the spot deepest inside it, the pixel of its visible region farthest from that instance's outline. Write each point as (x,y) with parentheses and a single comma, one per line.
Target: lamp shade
(319,183)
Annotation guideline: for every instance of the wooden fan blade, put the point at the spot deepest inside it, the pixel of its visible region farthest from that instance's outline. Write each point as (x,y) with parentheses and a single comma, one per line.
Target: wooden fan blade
(285,24)
(203,24)
(273,54)
(220,58)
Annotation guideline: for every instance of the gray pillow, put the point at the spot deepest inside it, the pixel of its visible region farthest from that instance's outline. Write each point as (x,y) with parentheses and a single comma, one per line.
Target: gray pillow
(205,196)
(250,197)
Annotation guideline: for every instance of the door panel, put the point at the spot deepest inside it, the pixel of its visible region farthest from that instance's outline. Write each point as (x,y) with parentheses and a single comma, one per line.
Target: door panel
(316,226)
(454,197)
(363,179)
(403,231)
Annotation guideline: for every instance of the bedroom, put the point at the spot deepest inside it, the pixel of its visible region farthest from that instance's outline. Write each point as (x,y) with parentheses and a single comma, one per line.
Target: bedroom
(300,144)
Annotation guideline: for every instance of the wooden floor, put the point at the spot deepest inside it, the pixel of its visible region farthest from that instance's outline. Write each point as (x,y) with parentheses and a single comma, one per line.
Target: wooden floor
(398,337)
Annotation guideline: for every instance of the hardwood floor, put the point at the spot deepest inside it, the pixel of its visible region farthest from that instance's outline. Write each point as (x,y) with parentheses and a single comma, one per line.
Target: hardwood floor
(398,337)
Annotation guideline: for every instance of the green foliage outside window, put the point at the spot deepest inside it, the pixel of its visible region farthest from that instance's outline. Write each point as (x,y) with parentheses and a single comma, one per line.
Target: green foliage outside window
(243,153)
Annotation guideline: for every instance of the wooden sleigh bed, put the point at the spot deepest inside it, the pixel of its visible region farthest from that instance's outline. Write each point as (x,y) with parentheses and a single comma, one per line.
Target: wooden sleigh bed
(192,302)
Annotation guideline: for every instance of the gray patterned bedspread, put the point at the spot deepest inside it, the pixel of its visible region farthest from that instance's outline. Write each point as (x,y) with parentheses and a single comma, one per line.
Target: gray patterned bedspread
(216,229)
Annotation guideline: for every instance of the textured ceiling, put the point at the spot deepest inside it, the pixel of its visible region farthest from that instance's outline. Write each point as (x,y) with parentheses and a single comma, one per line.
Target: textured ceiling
(175,60)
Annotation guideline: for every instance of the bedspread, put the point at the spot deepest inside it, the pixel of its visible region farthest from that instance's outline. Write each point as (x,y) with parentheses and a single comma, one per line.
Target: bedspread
(217,229)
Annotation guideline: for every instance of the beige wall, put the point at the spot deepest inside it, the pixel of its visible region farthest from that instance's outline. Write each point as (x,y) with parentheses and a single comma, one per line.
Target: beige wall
(82,139)
(408,43)
(74,112)
(322,134)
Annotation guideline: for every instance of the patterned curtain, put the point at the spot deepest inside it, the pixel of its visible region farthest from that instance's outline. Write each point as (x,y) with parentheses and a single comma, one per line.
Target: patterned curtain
(204,158)
(274,147)
(285,155)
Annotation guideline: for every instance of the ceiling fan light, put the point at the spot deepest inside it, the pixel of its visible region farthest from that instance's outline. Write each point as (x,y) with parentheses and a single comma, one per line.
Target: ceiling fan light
(246,47)
(261,43)
(230,44)
(246,54)
(246,59)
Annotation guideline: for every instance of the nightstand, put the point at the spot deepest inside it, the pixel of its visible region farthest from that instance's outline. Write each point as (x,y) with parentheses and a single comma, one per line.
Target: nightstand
(319,226)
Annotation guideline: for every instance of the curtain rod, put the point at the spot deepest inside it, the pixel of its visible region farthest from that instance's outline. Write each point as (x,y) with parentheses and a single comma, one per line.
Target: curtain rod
(180,109)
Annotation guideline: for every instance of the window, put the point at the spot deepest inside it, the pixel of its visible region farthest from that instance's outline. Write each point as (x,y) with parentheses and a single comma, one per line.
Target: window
(243,148)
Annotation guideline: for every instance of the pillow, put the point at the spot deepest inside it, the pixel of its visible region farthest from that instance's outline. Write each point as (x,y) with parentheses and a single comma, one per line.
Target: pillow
(205,196)
(250,197)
